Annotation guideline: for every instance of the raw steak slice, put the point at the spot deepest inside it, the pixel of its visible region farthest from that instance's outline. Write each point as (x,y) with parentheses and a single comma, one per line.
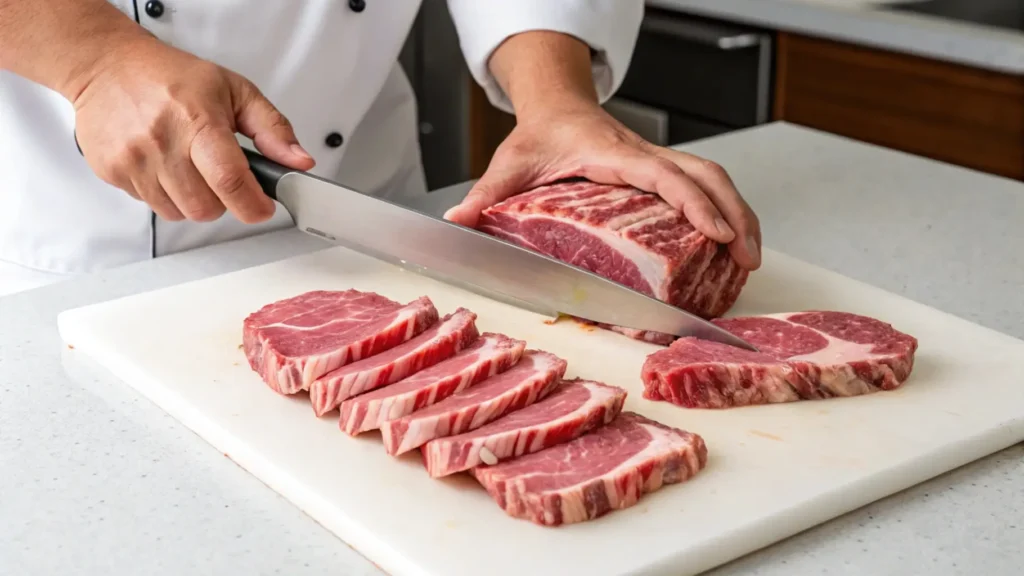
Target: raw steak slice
(442,341)
(531,379)
(491,354)
(625,235)
(573,409)
(803,356)
(608,469)
(292,342)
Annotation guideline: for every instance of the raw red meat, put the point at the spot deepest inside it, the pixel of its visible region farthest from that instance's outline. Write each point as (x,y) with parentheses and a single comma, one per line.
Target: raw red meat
(574,408)
(292,342)
(531,379)
(803,356)
(608,469)
(442,341)
(626,235)
(491,354)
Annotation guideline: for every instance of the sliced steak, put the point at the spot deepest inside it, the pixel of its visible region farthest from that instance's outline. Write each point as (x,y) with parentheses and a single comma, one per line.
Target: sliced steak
(531,379)
(574,408)
(803,356)
(292,342)
(608,469)
(491,354)
(626,235)
(440,342)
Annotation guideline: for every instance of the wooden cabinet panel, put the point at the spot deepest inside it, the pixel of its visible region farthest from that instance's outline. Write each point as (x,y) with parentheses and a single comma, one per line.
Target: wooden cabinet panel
(953,113)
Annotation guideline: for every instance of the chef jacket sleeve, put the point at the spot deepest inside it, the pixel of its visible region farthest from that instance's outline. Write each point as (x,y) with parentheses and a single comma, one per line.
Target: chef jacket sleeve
(610,27)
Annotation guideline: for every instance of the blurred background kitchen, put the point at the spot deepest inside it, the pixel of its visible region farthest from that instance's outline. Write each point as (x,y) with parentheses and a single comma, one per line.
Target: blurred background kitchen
(942,79)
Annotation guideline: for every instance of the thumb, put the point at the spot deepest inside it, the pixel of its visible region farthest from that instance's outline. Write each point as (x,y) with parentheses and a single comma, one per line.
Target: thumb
(268,128)
(493,187)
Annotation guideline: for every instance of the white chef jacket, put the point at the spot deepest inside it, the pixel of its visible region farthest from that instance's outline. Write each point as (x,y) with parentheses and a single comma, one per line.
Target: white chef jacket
(329,65)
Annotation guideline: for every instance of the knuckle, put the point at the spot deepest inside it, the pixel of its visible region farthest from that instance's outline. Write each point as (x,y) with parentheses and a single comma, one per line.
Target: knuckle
(129,157)
(229,182)
(202,210)
(664,166)
(713,169)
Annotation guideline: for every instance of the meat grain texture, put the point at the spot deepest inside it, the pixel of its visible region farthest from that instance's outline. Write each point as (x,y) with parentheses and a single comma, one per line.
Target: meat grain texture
(489,356)
(292,342)
(609,469)
(573,409)
(626,235)
(531,379)
(802,356)
(549,450)
(436,344)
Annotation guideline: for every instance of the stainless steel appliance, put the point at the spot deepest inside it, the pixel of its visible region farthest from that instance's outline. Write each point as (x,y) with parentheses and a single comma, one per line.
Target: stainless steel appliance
(692,77)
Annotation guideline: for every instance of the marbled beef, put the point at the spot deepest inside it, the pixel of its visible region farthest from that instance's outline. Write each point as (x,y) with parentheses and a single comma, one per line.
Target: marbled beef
(803,356)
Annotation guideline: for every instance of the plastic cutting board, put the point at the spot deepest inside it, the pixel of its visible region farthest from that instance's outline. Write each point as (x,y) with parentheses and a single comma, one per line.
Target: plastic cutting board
(772,470)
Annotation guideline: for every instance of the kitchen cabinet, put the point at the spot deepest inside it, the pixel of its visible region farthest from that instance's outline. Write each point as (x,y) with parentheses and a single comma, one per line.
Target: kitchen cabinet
(949,112)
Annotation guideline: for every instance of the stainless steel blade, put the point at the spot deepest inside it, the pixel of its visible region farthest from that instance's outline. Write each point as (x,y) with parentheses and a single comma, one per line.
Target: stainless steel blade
(478,262)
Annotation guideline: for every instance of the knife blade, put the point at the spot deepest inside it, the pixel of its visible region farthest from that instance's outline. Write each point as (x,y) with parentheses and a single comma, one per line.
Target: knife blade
(467,258)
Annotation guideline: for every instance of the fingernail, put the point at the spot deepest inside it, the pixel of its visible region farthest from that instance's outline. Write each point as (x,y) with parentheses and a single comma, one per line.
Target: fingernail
(752,249)
(723,227)
(300,151)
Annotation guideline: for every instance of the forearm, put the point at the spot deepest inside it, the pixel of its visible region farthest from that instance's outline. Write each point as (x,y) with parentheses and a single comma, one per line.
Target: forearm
(543,72)
(57,43)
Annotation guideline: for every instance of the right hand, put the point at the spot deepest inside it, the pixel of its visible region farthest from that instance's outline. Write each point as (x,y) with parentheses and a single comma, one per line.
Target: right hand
(160,124)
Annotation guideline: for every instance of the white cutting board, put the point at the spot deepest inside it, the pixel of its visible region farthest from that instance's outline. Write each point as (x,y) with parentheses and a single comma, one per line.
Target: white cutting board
(772,470)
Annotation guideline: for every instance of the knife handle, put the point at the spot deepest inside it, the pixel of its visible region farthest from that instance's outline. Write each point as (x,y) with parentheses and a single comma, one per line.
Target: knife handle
(267,172)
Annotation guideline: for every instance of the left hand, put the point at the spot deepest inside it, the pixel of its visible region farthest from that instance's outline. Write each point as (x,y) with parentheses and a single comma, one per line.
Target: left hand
(583,140)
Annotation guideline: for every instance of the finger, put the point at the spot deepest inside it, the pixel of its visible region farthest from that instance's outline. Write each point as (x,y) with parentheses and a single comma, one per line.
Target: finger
(497,184)
(720,189)
(150,192)
(269,129)
(222,164)
(655,174)
(190,193)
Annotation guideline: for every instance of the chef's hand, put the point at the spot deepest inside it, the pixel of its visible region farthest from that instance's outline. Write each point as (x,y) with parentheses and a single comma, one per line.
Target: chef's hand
(160,124)
(588,142)
(562,132)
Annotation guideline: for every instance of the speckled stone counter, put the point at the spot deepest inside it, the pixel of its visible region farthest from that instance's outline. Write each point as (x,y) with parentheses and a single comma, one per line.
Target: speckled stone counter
(862,22)
(95,480)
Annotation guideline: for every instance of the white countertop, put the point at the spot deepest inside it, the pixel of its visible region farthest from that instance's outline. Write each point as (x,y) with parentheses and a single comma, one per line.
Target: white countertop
(861,22)
(95,480)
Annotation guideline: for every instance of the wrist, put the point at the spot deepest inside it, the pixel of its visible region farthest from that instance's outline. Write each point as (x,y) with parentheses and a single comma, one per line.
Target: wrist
(101,46)
(544,72)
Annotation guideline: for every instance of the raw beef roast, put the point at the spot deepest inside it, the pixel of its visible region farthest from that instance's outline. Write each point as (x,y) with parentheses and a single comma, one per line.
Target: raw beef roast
(608,469)
(625,235)
(442,341)
(292,342)
(574,408)
(803,356)
(491,354)
(531,379)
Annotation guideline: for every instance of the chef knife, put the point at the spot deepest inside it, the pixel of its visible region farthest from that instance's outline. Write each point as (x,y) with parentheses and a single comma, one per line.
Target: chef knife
(467,258)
